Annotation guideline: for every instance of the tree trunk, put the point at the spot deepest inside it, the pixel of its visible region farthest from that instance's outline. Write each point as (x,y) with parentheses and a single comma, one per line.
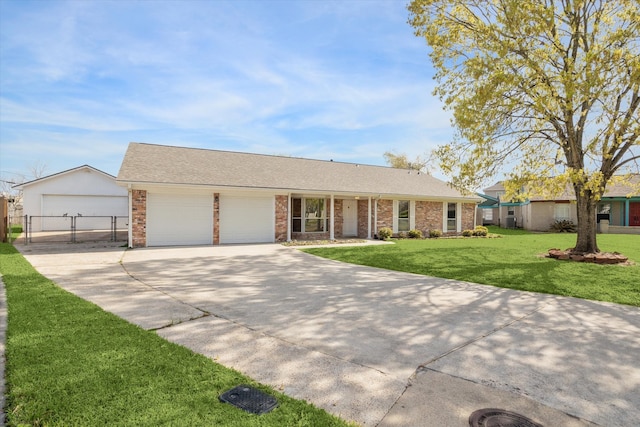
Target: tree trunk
(586,240)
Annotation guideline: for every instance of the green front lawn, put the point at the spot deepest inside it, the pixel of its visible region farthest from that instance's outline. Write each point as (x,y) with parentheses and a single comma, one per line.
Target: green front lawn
(513,261)
(69,363)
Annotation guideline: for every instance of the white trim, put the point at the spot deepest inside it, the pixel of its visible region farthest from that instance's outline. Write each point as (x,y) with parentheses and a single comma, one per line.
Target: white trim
(375,217)
(394,217)
(412,214)
(143,185)
(130,222)
(66,172)
(369,218)
(445,217)
(332,235)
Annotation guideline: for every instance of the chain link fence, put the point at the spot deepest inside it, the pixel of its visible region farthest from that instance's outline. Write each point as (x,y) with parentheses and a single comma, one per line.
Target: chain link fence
(74,229)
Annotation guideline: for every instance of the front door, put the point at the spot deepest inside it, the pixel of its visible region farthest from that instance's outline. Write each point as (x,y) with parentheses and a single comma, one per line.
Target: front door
(349,218)
(634,214)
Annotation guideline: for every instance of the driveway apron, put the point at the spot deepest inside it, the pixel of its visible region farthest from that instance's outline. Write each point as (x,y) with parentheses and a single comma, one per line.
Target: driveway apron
(374,346)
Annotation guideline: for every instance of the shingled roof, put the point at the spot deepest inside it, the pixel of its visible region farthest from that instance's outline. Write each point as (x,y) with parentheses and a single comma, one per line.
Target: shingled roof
(160,164)
(615,190)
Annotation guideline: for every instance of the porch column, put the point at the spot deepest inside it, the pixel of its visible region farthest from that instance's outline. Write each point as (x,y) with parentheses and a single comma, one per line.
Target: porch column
(375,215)
(331,220)
(369,218)
(289,217)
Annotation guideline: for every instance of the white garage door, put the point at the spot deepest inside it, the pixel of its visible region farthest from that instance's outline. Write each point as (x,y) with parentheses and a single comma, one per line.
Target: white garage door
(179,219)
(87,206)
(247,219)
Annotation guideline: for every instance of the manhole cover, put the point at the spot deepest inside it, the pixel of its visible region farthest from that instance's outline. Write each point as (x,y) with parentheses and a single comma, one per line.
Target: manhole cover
(249,399)
(492,417)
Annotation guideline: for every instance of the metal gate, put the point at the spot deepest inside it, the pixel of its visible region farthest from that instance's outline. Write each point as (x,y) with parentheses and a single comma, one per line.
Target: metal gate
(78,229)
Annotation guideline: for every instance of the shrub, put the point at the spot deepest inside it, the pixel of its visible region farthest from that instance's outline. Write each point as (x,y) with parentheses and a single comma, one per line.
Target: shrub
(415,234)
(467,233)
(385,233)
(563,226)
(402,234)
(434,234)
(480,231)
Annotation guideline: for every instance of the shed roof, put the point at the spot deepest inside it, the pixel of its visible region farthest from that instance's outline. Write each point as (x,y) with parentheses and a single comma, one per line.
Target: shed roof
(160,164)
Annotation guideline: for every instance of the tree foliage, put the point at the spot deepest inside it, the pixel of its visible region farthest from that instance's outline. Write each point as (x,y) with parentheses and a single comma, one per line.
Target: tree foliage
(548,89)
(401,161)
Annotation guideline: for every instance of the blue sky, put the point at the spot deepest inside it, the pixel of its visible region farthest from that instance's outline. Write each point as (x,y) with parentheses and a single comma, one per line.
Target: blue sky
(344,80)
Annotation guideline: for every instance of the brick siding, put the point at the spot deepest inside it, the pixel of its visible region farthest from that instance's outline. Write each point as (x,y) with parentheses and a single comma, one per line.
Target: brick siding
(468,216)
(363,217)
(385,214)
(338,217)
(139,218)
(428,216)
(282,214)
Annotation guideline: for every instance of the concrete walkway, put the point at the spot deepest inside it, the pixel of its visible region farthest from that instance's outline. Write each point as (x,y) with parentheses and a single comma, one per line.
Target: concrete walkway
(378,347)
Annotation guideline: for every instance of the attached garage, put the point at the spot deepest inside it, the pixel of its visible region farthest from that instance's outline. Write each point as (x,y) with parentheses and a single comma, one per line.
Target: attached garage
(247,219)
(175,219)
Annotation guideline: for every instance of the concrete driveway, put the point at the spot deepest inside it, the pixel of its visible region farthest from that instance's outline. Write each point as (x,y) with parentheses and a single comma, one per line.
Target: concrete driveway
(378,347)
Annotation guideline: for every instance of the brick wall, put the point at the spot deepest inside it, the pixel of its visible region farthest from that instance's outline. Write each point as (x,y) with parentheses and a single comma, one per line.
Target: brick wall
(338,217)
(310,236)
(139,218)
(385,214)
(468,216)
(363,217)
(282,214)
(428,216)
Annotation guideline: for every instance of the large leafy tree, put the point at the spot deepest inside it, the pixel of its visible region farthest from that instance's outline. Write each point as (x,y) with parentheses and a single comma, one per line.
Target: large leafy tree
(547,89)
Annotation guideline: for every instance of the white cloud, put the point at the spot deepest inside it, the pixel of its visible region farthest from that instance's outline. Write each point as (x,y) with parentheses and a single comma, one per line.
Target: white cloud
(333,79)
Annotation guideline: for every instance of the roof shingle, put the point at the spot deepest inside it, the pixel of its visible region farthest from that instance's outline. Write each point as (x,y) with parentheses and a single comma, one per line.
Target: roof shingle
(159,164)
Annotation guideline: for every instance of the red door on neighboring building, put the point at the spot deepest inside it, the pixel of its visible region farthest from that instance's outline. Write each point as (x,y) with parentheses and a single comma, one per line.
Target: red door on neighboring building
(634,214)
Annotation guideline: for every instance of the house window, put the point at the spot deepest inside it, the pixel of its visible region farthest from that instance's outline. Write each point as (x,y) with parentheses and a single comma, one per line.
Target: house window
(403,215)
(296,215)
(511,211)
(561,212)
(452,223)
(308,215)
(604,208)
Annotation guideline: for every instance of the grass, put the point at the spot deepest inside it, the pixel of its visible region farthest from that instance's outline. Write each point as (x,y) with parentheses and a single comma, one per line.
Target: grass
(68,362)
(513,261)
(14,232)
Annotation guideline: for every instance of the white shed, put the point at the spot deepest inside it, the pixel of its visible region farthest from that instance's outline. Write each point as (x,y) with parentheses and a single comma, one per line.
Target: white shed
(90,195)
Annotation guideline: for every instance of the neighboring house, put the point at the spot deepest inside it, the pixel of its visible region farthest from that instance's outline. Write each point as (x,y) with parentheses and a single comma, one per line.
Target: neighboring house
(617,206)
(85,192)
(187,196)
